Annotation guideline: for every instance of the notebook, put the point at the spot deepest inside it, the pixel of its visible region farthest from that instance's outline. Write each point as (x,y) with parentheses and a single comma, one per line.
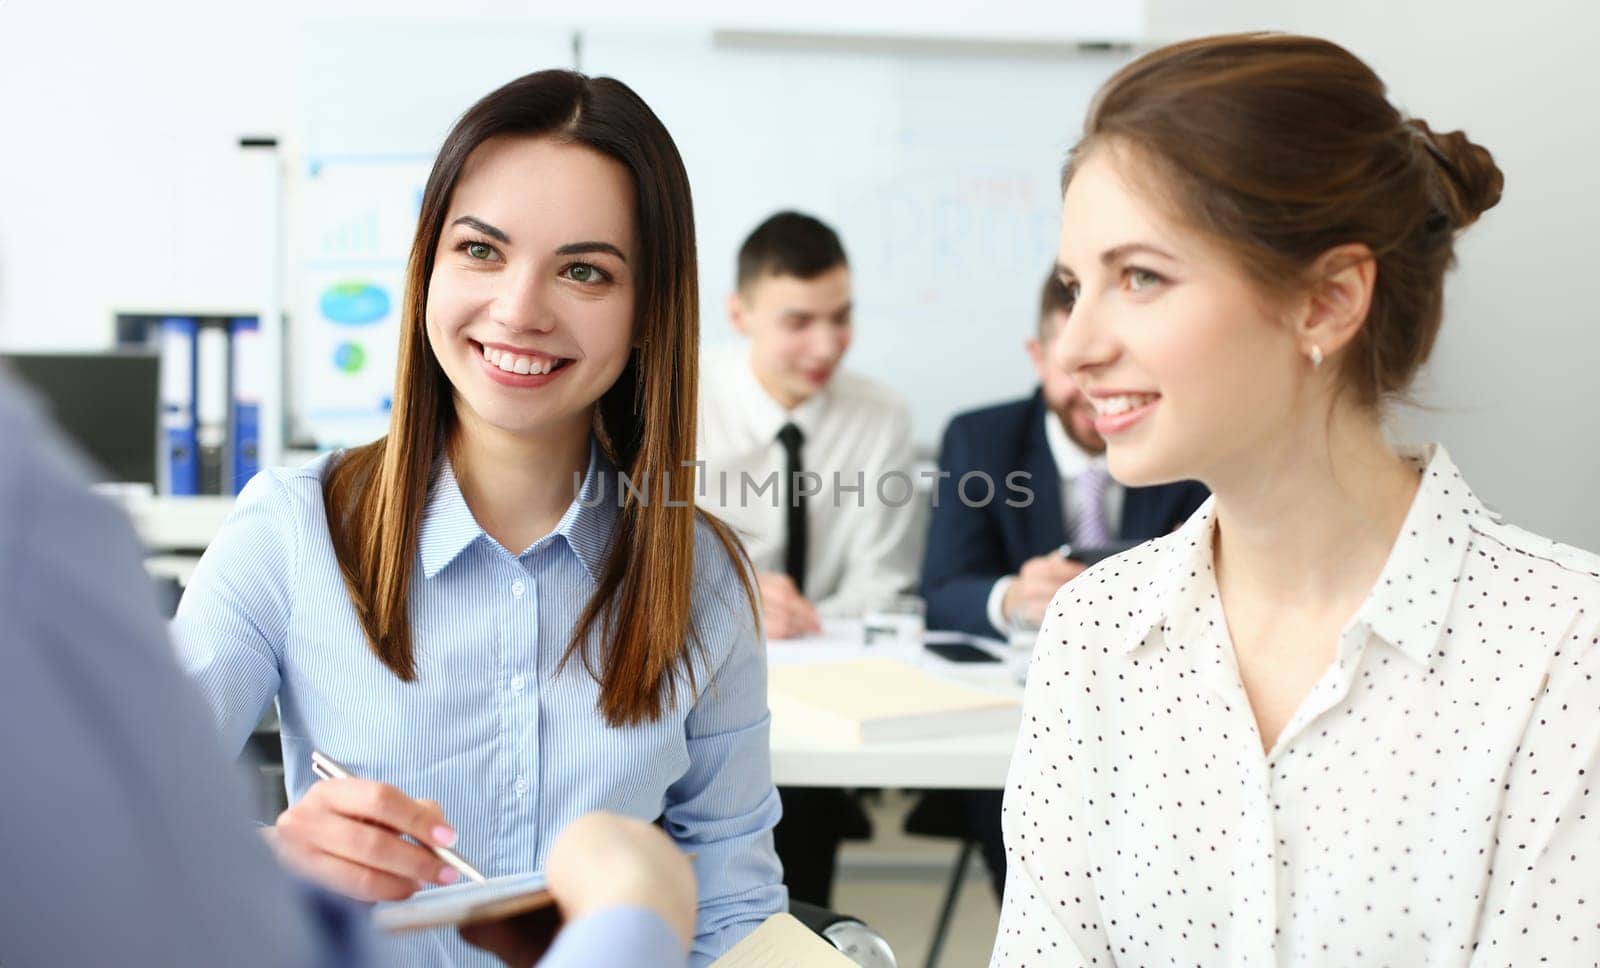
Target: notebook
(461,904)
(871,699)
(782,942)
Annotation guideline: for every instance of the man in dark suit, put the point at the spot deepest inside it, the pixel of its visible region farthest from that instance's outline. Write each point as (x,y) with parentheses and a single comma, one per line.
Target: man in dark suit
(993,566)
(993,560)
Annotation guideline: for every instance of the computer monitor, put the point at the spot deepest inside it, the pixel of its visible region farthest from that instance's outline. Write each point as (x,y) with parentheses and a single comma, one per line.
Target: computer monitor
(108,403)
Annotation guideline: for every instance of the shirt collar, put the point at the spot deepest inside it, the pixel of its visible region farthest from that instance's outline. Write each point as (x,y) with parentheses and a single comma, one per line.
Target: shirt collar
(448,526)
(447,523)
(763,414)
(1179,582)
(1069,457)
(1407,606)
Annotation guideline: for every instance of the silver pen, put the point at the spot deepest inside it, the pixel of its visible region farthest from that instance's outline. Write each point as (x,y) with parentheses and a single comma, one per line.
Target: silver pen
(326,768)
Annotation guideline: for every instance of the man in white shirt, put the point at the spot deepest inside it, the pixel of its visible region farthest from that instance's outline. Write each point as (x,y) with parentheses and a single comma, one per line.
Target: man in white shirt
(813,466)
(810,463)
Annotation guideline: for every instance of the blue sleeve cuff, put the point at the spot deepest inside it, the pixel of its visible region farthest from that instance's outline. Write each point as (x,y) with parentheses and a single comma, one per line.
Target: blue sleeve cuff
(616,936)
(343,927)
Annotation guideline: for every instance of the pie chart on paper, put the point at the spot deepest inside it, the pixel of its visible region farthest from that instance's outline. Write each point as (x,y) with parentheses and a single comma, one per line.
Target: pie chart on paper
(354,303)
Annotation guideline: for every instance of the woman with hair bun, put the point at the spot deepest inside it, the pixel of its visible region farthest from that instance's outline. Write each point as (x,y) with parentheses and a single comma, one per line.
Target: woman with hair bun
(1345,715)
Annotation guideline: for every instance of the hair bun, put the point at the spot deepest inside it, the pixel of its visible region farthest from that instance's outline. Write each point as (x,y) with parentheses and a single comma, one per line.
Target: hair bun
(1472,182)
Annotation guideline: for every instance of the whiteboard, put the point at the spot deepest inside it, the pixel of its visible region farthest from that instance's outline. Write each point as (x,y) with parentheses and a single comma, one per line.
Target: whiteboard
(938,165)
(377,100)
(939,168)
(360,213)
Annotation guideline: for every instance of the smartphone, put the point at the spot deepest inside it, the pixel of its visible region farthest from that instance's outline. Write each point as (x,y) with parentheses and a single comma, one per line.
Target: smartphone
(959,652)
(1089,556)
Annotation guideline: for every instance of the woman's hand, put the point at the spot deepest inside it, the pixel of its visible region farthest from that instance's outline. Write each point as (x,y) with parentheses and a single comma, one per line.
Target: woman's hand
(346,834)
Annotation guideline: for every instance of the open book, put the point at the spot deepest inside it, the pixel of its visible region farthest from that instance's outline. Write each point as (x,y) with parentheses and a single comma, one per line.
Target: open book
(782,942)
(869,699)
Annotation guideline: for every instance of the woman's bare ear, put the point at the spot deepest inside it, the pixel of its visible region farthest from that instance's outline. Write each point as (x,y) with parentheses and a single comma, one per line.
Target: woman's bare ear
(1337,300)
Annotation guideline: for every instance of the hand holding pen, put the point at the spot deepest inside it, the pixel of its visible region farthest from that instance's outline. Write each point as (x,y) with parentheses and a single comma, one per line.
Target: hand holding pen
(324,767)
(349,834)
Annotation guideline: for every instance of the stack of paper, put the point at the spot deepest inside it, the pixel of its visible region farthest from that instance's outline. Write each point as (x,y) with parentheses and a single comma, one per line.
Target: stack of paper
(867,700)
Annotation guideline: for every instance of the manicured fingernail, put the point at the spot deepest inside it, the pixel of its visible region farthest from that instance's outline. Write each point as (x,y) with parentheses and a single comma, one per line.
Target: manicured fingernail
(444,836)
(448,875)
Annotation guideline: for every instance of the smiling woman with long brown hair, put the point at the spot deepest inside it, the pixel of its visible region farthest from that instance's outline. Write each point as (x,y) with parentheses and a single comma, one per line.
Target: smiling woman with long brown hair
(475,613)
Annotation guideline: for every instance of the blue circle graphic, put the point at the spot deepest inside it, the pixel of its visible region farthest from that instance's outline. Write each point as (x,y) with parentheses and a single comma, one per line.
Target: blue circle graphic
(354,303)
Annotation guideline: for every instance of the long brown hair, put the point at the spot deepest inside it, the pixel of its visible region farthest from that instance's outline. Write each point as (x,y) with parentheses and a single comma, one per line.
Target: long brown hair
(375,495)
(1280,148)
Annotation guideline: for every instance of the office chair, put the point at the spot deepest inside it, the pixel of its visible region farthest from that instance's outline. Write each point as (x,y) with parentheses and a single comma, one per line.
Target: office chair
(851,936)
(945,814)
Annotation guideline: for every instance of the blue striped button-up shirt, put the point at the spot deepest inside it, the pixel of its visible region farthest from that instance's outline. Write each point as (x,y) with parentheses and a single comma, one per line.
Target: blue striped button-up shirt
(506,738)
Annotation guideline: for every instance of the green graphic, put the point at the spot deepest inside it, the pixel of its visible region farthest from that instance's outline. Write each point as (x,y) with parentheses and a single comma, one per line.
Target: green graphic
(349,357)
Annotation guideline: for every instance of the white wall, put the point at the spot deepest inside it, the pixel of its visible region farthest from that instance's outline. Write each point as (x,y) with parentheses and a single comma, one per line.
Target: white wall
(121,185)
(931,164)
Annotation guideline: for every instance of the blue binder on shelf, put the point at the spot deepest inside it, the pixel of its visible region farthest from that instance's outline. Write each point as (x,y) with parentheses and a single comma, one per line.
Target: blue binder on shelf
(212,403)
(245,423)
(180,466)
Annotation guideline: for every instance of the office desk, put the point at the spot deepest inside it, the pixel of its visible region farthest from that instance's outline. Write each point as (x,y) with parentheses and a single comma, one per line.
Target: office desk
(968,762)
(177,524)
(175,530)
(974,761)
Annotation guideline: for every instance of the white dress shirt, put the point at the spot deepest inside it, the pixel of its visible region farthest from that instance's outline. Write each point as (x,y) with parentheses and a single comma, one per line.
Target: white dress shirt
(1070,460)
(1428,804)
(863,545)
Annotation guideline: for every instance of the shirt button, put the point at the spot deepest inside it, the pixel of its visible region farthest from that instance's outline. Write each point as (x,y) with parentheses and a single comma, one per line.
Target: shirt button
(517,682)
(521,787)
(517,588)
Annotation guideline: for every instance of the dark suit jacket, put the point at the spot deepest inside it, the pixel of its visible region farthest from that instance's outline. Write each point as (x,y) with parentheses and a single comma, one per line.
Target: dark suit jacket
(970,548)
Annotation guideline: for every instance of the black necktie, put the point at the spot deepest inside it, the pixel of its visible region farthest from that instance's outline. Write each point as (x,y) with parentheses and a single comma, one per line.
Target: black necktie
(794,553)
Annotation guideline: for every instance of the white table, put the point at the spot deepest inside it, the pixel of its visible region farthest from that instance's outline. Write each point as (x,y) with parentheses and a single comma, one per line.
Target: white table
(972,761)
(175,530)
(176,524)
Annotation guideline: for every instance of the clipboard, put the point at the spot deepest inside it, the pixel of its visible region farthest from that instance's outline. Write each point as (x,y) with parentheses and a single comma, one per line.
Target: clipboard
(464,904)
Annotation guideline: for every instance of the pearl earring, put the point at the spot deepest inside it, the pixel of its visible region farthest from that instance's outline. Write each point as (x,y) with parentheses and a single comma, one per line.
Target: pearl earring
(1316,355)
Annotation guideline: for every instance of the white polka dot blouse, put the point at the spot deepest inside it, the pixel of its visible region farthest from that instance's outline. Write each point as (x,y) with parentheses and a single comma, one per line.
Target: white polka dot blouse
(1429,803)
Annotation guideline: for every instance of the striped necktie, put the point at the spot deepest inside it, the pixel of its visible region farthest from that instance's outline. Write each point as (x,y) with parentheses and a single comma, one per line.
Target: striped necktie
(1089,526)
